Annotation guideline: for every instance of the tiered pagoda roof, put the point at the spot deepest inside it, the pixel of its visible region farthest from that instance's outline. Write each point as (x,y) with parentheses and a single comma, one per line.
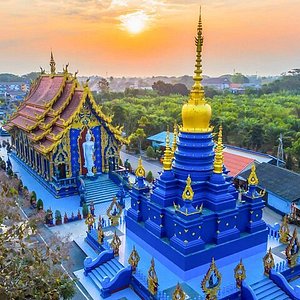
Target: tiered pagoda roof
(51,106)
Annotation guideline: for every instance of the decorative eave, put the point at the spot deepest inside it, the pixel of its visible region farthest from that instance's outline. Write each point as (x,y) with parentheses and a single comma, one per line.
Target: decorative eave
(117,131)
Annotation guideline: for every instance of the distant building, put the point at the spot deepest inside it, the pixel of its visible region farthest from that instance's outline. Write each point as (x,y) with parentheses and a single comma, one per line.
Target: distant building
(282,186)
(219,83)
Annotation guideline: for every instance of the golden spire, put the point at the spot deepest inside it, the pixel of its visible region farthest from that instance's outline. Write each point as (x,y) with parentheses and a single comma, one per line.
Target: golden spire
(140,171)
(218,163)
(52,64)
(252,179)
(174,145)
(196,113)
(167,163)
(188,193)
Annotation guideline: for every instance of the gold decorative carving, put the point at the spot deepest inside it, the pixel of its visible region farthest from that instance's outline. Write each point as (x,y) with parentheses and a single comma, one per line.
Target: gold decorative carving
(268,261)
(140,171)
(292,250)
(134,259)
(239,274)
(284,231)
(115,244)
(188,193)
(211,282)
(178,293)
(252,179)
(152,279)
(114,212)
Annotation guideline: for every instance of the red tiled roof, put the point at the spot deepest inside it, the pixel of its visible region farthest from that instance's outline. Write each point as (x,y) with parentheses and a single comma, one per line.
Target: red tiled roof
(48,87)
(236,163)
(48,110)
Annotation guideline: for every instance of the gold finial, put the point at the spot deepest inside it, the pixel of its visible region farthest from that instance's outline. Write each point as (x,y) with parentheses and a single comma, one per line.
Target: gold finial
(152,279)
(212,281)
(188,192)
(284,231)
(140,171)
(114,212)
(252,179)
(167,163)
(292,250)
(268,261)
(239,274)
(178,293)
(134,259)
(115,244)
(196,114)
(52,64)
(218,163)
(174,144)
(197,93)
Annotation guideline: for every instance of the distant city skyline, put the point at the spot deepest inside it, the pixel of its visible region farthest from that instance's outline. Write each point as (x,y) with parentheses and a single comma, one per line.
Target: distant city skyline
(150,37)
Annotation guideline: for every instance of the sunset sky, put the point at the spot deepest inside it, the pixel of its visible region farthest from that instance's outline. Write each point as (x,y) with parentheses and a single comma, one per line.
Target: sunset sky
(150,37)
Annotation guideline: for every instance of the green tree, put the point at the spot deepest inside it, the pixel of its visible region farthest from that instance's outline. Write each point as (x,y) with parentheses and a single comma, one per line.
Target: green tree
(29,268)
(136,139)
(150,152)
(239,78)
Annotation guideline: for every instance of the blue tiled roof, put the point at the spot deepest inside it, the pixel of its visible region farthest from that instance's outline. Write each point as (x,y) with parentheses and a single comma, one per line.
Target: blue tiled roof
(160,138)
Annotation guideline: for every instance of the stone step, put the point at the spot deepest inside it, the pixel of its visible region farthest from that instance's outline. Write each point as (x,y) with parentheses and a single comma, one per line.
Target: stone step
(260,283)
(271,296)
(113,266)
(267,292)
(268,285)
(109,269)
(282,297)
(95,280)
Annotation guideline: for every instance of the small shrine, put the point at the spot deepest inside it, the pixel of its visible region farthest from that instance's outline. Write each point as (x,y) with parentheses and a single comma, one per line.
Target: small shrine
(59,132)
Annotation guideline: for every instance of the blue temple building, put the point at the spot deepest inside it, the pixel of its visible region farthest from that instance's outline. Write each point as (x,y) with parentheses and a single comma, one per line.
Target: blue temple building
(50,127)
(193,212)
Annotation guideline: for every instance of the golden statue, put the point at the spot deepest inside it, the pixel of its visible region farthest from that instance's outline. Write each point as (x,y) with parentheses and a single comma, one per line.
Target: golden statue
(268,262)
(115,244)
(284,231)
(211,282)
(178,293)
(114,212)
(100,235)
(239,274)
(152,279)
(292,249)
(134,259)
(90,221)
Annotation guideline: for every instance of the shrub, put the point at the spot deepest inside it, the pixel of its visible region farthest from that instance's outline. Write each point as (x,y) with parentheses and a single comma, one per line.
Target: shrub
(85,210)
(150,152)
(40,204)
(149,177)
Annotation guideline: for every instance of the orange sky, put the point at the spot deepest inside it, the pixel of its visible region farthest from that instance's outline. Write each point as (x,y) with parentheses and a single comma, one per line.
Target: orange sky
(254,36)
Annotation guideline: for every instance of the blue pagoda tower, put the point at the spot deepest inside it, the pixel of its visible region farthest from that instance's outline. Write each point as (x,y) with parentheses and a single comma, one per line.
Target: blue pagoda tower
(194,213)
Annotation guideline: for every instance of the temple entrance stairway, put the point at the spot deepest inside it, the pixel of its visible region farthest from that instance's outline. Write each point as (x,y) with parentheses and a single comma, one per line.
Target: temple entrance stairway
(107,273)
(268,290)
(100,190)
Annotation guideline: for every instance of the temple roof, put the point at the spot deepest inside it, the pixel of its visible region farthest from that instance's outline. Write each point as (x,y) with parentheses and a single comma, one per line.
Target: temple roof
(49,109)
(277,180)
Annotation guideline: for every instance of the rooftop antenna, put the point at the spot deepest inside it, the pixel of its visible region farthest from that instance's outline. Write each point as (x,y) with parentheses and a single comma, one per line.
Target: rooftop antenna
(280,153)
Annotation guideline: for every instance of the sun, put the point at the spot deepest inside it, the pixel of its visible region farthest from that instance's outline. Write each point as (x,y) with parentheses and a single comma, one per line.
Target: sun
(135,22)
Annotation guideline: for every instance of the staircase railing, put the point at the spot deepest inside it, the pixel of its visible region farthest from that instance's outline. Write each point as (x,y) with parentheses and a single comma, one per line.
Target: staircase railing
(90,264)
(120,281)
(283,284)
(118,177)
(247,292)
